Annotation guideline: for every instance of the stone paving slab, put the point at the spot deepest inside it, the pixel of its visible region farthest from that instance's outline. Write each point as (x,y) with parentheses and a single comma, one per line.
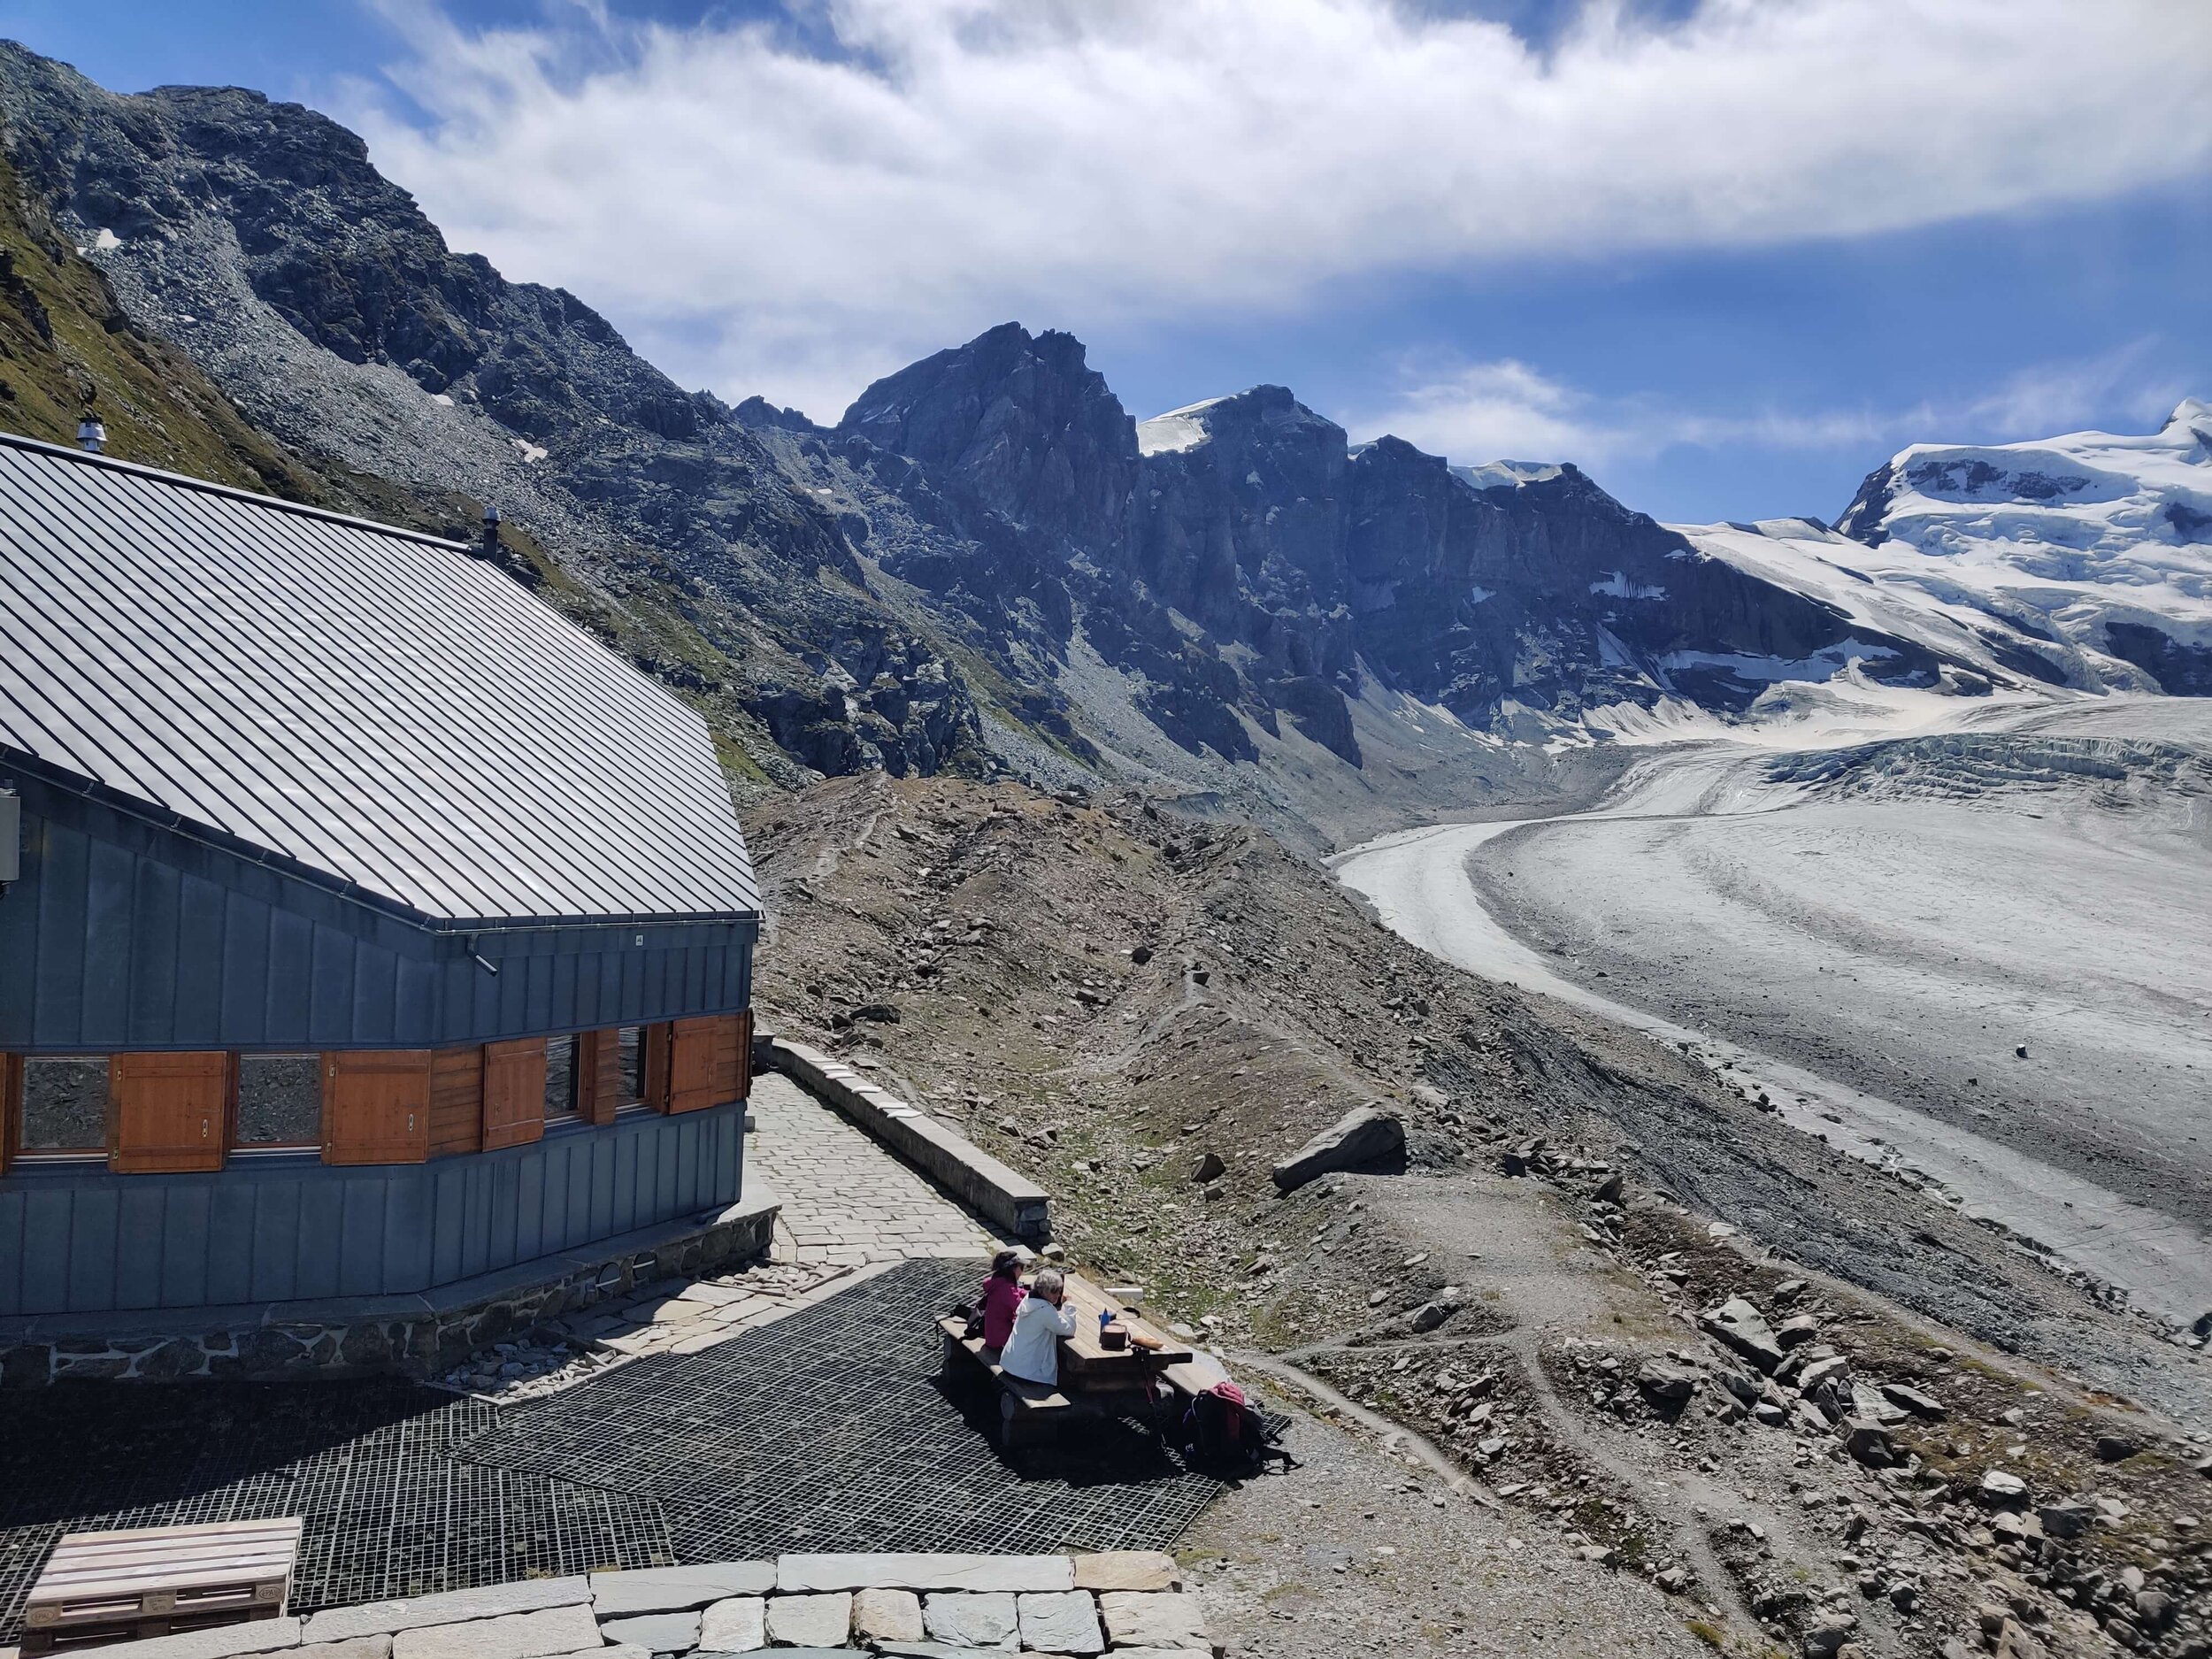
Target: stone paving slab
(1127,1569)
(882,1616)
(972,1621)
(1138,1618)
(845,1198)
(373,1618)
(262,1635)
(816,1620)
(1060,1622)
(916,1571)
(678,1589)
(737,1626)
(661,1632)
(544,1634)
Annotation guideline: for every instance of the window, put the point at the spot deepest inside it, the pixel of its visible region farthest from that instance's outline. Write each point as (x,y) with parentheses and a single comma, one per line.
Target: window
(64,1104)
(630,1045)
(560,1078)
(279,1101)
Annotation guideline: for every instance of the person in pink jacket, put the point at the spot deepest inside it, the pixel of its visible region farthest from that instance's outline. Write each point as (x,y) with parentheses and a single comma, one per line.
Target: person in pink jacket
(1002,1295)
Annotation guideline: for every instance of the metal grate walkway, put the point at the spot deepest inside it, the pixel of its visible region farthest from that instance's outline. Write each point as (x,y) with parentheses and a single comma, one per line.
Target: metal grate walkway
(828,1430)
(825,1430)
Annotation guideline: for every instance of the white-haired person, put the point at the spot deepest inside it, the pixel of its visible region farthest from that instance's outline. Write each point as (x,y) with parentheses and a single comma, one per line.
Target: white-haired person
(1033,1352)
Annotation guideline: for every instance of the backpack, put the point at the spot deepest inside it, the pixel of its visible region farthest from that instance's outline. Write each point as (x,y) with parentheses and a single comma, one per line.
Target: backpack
(1220,1431)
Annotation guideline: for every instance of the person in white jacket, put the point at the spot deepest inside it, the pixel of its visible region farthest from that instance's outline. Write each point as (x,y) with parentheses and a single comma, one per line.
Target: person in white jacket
(1033,1352)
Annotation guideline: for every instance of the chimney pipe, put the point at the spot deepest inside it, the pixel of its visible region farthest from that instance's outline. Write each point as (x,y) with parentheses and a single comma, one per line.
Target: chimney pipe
(92,435)
(489,546)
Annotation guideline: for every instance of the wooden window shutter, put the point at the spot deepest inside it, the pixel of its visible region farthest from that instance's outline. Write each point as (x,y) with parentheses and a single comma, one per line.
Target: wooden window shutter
(660,1043)
(376,1107)
(733,1056)
(457,1101)
(11,1108)
(691,1066)
(598,1075)
(514,1092)
(170,1112)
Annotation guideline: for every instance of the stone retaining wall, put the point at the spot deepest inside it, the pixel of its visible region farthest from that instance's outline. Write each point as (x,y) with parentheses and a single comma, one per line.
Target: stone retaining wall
(1018,1207)
(1125,1605)
(420,1336)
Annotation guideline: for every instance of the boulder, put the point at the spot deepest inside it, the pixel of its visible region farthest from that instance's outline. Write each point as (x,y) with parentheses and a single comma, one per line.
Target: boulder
(1867,1442)
(1829,1372)
(2068,1517)
(1359,1139)
(1665,1382)
(1828,1633)
(2000,1488)
(1737,1325)
(1917,1401)
(1209,1168)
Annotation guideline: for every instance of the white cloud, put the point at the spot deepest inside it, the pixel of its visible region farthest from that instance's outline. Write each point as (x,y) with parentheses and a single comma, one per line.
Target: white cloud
(1507,410)
(798,207)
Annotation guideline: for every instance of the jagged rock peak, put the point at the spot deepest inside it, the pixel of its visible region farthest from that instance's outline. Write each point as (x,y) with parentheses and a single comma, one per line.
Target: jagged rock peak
(758,411)
(1185,428)
(1019,422)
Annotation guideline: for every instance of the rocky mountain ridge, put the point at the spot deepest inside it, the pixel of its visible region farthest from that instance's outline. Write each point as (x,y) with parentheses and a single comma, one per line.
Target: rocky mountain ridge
(988,565)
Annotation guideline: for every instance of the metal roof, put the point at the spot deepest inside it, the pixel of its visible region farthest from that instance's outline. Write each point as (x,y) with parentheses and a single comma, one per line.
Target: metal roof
(368,704)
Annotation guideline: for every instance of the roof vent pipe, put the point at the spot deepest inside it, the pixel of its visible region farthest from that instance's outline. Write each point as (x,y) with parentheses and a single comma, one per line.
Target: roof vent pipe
(92,434)
(489,546)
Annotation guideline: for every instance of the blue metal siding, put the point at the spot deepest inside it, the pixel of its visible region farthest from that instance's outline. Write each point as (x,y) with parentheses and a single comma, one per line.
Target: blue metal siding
(121,935)
(79,1240)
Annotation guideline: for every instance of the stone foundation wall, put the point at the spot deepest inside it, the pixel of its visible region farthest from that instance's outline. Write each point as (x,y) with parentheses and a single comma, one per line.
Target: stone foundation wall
(410,1337)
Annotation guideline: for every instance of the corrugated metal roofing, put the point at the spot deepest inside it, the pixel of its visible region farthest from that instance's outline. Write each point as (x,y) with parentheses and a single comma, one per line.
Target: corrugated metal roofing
(364,701)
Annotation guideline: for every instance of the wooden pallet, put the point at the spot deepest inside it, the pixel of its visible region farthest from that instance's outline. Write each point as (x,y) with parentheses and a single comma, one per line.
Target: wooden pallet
(156,1580)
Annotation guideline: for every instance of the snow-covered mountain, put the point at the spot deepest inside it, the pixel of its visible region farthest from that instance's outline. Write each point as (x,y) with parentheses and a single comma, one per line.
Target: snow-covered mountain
(2081,561)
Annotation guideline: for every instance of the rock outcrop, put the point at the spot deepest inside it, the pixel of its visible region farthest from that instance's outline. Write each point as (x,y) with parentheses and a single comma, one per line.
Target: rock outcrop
(1363,1139)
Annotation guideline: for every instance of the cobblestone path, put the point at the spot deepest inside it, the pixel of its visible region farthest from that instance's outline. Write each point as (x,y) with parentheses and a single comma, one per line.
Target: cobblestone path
(846,1201)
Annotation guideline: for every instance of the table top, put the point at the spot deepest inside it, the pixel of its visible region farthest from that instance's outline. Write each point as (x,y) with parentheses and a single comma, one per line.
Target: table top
(1083,1356)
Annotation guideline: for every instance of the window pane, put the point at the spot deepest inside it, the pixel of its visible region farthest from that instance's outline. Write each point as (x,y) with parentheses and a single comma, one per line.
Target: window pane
(66,1105)
(632,1049)
(560,1077)
(279,1099)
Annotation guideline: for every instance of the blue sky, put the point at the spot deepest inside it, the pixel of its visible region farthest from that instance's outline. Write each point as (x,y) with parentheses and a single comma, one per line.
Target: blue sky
(1729,256)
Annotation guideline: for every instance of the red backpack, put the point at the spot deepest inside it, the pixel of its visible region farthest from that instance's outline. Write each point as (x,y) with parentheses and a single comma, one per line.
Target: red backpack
(1218,1429)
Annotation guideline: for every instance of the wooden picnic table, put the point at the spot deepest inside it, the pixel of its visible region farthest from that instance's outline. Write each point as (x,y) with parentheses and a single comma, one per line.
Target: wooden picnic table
(1087,1364)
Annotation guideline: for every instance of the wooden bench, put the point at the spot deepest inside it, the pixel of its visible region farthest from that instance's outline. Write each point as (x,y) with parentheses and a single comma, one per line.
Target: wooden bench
(1027,1411)
(123,1587)
(1031,1413)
